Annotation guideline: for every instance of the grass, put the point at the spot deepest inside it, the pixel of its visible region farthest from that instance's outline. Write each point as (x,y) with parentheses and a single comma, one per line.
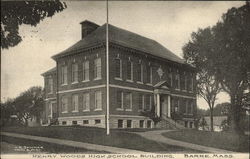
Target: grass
(223,140)
(116,138)
(27,146)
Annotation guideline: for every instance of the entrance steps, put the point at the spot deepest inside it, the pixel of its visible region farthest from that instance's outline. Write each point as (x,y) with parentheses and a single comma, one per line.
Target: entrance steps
(168,123)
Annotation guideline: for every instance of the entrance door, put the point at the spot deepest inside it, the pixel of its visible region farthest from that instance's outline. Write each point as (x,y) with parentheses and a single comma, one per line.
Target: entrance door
(164,106)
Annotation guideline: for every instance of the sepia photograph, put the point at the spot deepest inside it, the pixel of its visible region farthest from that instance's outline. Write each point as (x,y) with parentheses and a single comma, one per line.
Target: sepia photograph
(125,79)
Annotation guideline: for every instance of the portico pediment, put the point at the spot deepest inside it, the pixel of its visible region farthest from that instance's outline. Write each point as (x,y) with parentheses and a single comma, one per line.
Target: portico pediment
(162,87)
(162,84)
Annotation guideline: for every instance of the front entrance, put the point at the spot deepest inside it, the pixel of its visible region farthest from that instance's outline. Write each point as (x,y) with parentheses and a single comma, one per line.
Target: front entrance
(164,106)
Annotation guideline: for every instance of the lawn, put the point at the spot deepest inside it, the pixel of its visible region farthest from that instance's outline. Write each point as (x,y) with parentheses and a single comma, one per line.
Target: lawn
(117,138)
(223,140)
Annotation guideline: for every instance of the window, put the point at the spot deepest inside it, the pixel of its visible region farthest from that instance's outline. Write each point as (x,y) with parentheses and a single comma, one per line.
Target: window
(176,106)
(64,123)
(74,122)
(118,68)
(141,124)
(64,75)
(85,102)
(141,102)
(85,121)
(170,76)
(185,82)
(129,123)
(149,124)
(50,84)
(192,83)
(186,107)
(120,100)
(64,104)
(148,102)
(75,102)
(97,121)
(74,73)
(120,123)
(140,72)
(85,71)
(129,70)
(97,68)
(128,101)
(190,107)
(177,79)
(98,100)
(149,74)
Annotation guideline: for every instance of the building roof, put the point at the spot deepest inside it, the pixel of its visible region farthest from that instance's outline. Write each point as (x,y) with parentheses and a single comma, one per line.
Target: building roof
(50,71)
(121,37)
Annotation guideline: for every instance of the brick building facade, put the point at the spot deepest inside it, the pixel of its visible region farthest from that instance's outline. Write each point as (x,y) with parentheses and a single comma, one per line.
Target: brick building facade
(143,76)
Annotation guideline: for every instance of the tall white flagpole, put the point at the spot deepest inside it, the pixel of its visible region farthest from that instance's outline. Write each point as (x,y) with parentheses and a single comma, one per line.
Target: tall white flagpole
(107,70)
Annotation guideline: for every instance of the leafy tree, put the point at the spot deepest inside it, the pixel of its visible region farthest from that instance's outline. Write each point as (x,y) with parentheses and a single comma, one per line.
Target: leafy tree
(197,52)
(30,104)
(231,59)
(16,13)
(224,50)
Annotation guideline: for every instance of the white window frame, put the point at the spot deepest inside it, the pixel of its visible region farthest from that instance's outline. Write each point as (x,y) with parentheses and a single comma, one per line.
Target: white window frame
(130,102)
(86,102)
(121,108)
(50,85)
(64,75)
(85,71)
(96,98)
(74,73)
(98,69)
(177,77)
(75,103)
(65,102)
(141,75)
(192,83)
(131,71)
(118,78)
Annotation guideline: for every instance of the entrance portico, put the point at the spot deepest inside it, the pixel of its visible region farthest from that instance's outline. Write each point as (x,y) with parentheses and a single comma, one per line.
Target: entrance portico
(162,100)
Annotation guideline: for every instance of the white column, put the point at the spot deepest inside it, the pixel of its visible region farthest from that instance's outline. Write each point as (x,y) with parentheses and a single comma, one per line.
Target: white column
(158,104)
(169,106)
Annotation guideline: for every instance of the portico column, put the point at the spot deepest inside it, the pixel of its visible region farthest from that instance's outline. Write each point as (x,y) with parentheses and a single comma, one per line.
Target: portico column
(169,106)
(158,103)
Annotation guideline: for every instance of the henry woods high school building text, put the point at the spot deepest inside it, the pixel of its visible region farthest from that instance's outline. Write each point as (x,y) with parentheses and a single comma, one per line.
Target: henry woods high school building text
(144,77)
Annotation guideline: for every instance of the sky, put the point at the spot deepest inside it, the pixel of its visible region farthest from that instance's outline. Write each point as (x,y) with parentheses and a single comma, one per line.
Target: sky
(168,22)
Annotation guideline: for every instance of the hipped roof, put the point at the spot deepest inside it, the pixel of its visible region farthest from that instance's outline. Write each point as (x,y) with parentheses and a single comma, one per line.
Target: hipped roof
(121,37)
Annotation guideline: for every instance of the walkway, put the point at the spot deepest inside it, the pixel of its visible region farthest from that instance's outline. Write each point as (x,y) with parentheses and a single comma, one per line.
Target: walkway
(70,143)
(158,137)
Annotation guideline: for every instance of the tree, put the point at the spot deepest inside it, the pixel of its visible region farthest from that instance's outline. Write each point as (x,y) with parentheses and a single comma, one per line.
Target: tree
(232,58)
(197,52)
(16,13)
(30,104)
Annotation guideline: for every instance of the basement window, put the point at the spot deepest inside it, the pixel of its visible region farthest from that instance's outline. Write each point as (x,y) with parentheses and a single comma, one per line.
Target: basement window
(120,123)
(64,123)
(129,123)
(97,121)
(74,122)
(85,122)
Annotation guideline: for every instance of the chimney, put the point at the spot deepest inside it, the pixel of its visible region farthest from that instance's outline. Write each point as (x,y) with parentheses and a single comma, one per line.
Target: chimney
(88,27)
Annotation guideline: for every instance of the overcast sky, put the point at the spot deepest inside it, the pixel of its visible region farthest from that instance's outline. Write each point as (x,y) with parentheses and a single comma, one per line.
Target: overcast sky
(168,22)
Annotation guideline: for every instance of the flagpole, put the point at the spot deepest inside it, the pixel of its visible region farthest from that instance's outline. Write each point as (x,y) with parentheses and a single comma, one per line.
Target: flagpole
(107,70)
